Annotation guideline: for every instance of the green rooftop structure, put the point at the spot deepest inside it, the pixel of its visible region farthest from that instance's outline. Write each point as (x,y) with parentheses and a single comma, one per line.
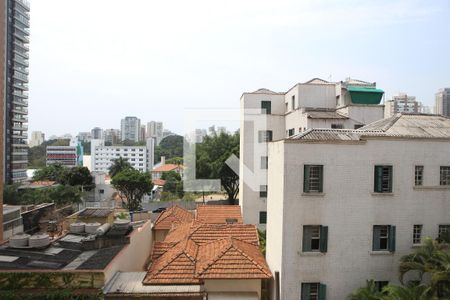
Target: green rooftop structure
(365,95)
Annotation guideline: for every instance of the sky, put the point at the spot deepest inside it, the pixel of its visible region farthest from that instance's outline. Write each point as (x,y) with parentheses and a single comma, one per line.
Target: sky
(93,62)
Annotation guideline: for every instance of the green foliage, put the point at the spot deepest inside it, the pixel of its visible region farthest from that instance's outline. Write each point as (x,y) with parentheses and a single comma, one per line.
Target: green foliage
(54,172)
(174,184)
(210,161)
(411,292)
(262,241)
(36,155)
(79,176)
(87,148)
(118,165)
(168,196)
(61,195)
(132,185)
(175,161)
(169,147)
(369,292)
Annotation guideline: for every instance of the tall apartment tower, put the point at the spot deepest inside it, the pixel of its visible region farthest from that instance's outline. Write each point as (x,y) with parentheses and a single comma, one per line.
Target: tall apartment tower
(130,128)
(15,58)
(155,130)
(401,103)
(443,102)
(97,133)
(37,138)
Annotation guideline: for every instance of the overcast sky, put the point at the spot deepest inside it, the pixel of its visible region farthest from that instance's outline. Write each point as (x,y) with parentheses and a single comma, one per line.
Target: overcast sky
(92,62)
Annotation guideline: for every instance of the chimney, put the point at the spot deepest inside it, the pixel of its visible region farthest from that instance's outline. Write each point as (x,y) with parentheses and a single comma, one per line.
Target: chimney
(163,160)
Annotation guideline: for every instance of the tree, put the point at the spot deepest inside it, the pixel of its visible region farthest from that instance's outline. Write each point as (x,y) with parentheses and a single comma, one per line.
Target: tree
(173,184)
(210,163)
(54,172)
(369,292)
(132,185)
(60,195)
(169,147)
(118,165)
(410,292)
(175,160)
(79,176)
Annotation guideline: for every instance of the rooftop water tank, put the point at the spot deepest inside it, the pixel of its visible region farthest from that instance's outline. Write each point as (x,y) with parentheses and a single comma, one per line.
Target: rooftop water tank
(19,240)
(103,229)
(122,224)
(77,227)
(91,227)
(39,240)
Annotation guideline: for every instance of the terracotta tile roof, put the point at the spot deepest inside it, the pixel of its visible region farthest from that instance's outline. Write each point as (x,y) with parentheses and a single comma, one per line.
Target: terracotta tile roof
(218,214)
(167,168)
(159,248)
(159,182)
(172,216)
(205,233)
(177,265)
(231,259)
(188,263)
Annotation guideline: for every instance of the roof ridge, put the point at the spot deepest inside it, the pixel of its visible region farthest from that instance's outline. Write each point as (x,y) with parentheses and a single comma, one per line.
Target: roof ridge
(251,259)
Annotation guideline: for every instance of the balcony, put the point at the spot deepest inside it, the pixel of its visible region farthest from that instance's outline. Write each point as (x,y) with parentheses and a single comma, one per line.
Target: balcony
(20,102)
(20,60)
(17,119)
(20,110)
(20,94)
(21,52)
(20,76)
(20,86)
(21,45)
(19,127)
(25,31)
(22,19)
(25,4)
(19,136)
(21,36)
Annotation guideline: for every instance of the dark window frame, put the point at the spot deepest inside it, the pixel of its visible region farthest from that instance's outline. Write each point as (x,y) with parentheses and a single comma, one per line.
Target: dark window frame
(418,175)
(313,178)
(383,178)
(266,107)
(383,238)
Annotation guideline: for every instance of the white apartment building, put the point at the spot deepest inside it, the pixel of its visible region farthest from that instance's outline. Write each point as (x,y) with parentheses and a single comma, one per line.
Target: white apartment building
(345,205)
(443,102)
(401,103)
(130,129)
(140,157)
(37,138)
(111,136)
(155,130)
(270,116)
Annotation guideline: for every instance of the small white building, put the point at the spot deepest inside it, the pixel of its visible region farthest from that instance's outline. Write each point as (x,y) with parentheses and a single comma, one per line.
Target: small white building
(345,205)
(140,157)
(269,116)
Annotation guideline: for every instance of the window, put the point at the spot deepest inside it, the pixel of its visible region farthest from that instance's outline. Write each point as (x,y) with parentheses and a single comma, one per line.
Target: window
(266,107)
(383,179)
(337,126)
(262,217)
(313,179)
(379,285)
(383,238)
(443,230)
(264,162)
(313,291)
(358,126)
(291,132)
(417,234)
(264,136)
(293,102)
(286,107)
(263,191)
(418,175)
(445,176)
(315,238)
(101,191)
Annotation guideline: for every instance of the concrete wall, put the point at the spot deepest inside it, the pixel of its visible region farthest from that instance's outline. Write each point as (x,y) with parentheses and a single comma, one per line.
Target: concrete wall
(134,256)
(349,208)
(238,285)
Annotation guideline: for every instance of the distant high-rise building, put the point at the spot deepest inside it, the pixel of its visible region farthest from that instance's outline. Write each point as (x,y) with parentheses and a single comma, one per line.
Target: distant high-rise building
(402,103)
(142,133)
(84,137)
(130,129)
(155,130)
(443,102)
(97,133)
(14,42)
(111,136)
(37,138)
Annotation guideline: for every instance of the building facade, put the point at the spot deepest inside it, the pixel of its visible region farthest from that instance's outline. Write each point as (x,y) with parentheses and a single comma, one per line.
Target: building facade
(63,155)
(353,202)
(443,102)
(130,129)
(97,133)
(155,130)
(12,221)
(140,157)
(16,39)
(402,103)
(37,138)
(111,136)
(269,116)
(84,137)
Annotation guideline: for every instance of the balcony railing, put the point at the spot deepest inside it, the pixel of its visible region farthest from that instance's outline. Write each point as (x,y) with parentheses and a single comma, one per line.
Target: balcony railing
(20,60)
(21,36)
(22,19)
(21,45)
(20,102)
(24,3)
(20,86)
(20,76)
(20,94)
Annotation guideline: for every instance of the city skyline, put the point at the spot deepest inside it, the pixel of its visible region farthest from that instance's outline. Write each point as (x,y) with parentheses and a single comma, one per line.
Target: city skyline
(204,55)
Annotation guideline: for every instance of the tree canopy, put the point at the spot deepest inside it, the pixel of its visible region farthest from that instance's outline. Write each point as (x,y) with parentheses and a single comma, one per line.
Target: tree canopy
(169,147)
(132,185)
(173,184)
(76,176)
(118,165)
(61,195)
(211,155)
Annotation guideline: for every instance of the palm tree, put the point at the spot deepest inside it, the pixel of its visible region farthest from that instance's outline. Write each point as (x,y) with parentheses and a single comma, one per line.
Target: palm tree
(411,292)
(118,164)
(432,258)
(369,292)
